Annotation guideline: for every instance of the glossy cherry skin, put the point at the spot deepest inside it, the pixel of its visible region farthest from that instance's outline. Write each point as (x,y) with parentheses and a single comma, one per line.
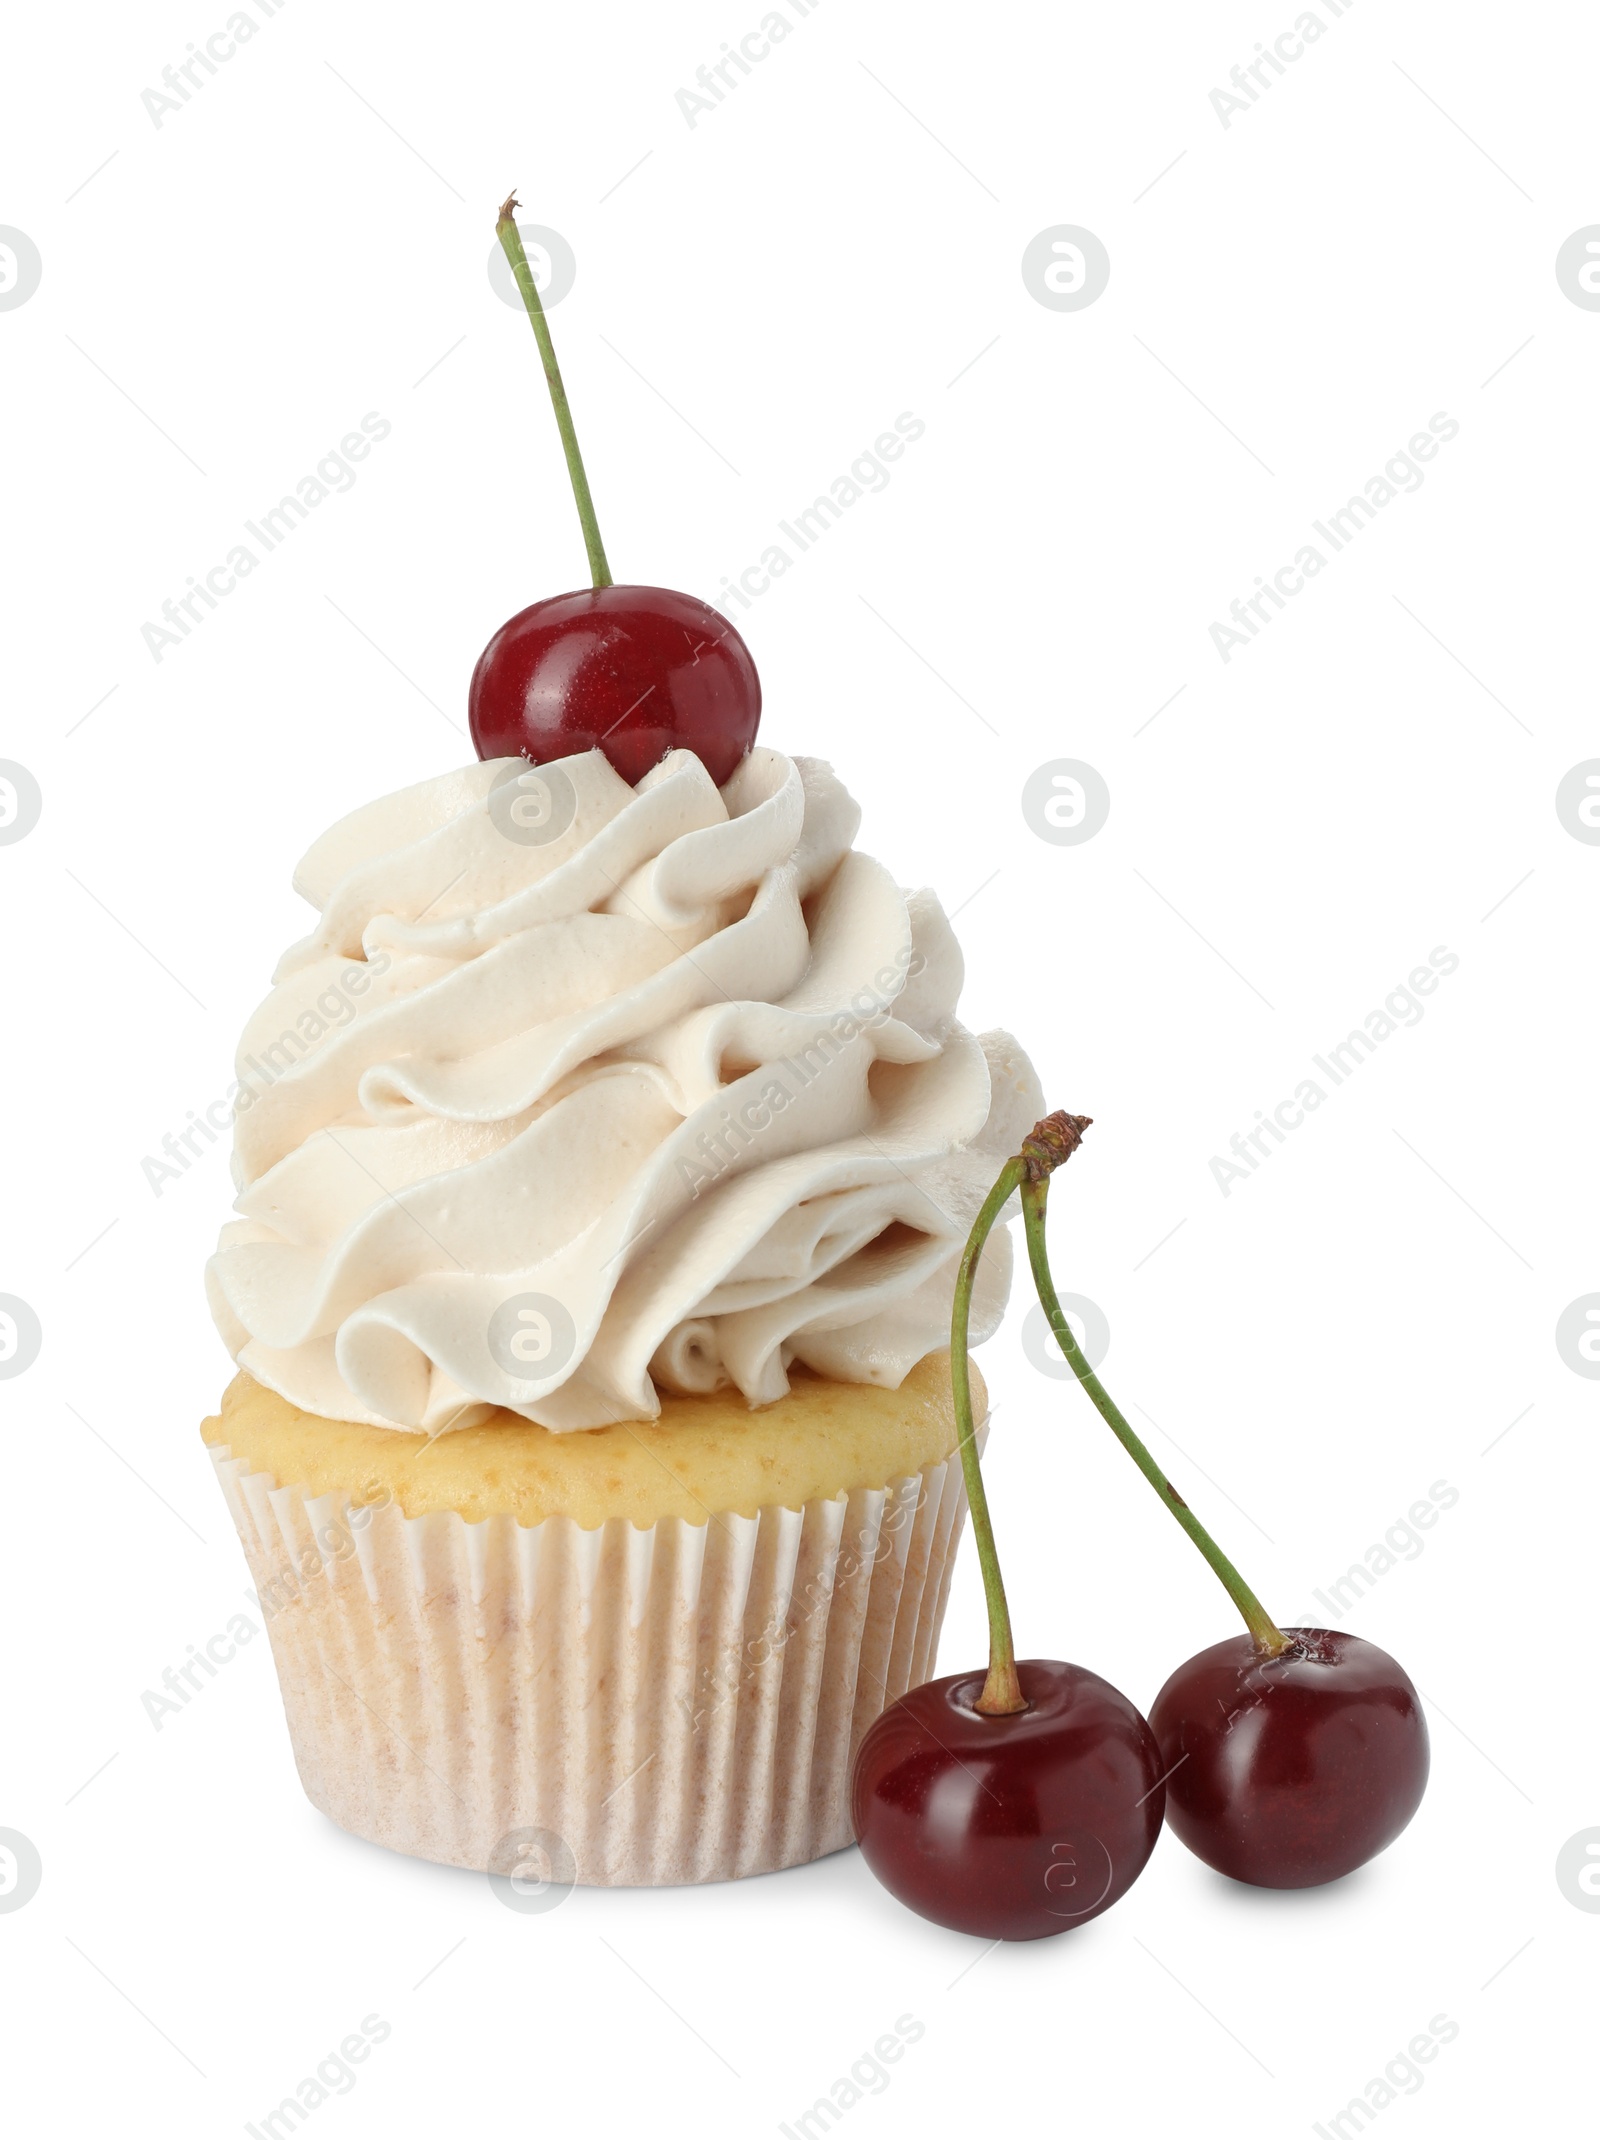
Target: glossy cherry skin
(1012,1827)
(632,671)
(1294,1770)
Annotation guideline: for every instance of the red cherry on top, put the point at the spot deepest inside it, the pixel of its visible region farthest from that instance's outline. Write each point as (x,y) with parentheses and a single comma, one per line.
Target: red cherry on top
(1291,1771)
(631,671)
(1009,1827)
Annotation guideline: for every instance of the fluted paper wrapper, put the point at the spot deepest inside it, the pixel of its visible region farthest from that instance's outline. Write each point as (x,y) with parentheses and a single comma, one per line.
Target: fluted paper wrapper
(675,1704)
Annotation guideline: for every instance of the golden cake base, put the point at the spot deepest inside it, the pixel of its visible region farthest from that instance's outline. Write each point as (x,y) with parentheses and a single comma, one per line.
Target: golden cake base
(637,1656)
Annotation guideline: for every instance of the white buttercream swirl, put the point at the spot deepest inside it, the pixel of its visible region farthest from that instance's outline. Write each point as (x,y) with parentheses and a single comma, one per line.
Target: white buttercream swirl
(677,1061)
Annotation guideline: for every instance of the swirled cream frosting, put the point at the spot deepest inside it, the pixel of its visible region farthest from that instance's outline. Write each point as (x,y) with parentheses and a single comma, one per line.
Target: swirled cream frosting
(580,1091)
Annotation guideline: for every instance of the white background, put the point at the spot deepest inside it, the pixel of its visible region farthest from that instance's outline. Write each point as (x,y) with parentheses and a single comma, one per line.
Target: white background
(1291,298)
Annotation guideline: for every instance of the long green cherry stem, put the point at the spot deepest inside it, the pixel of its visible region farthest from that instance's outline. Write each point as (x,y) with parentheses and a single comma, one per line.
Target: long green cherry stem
(511,244)
(1002,1691)
(1270,1640)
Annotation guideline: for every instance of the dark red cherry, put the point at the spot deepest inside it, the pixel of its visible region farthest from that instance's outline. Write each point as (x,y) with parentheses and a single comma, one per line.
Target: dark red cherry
(632,671)
(1010,1827)
(1290,1771)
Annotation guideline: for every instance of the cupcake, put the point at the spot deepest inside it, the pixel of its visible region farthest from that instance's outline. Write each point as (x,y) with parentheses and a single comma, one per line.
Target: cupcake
(604,1156)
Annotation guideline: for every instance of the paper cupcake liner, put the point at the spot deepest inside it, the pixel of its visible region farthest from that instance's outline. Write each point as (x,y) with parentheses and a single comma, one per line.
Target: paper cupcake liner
(651,1707)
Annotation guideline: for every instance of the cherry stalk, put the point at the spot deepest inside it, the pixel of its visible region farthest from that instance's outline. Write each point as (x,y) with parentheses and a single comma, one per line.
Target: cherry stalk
(511,245)
(1052,1151)
(1002,1695)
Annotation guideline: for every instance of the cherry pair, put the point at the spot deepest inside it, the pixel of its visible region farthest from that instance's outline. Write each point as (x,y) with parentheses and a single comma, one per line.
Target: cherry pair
(1021,1802)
